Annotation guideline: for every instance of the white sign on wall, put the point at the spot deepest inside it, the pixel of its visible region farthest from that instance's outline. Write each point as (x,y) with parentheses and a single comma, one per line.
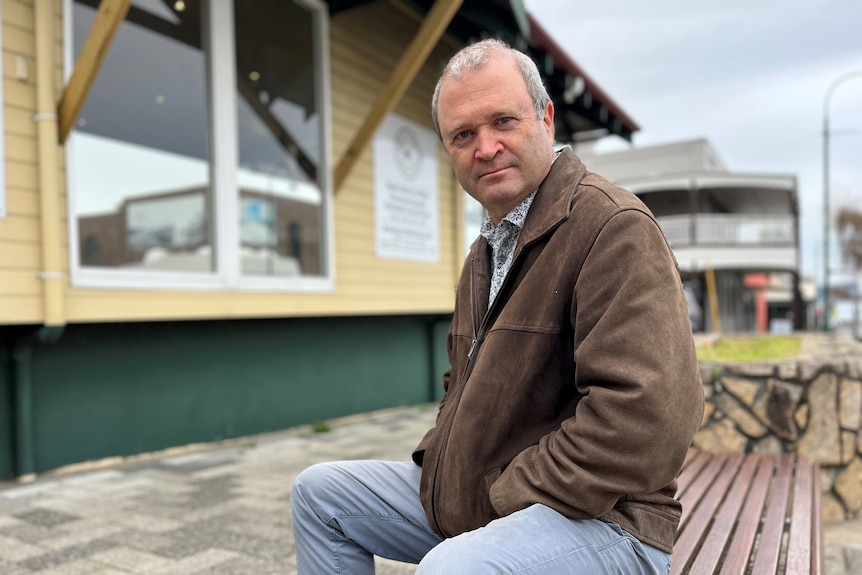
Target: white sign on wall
(406,217)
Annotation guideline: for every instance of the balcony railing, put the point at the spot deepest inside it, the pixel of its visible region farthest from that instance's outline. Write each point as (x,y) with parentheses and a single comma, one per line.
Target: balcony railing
(729,230)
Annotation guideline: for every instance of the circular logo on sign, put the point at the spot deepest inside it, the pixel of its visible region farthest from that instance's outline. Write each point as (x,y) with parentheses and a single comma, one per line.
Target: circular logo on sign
(408,154)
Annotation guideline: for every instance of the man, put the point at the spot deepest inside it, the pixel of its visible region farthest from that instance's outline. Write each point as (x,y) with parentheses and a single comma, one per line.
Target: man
(574,389)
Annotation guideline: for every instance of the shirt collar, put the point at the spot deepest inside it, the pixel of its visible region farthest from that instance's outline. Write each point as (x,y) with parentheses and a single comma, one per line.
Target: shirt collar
(517,216)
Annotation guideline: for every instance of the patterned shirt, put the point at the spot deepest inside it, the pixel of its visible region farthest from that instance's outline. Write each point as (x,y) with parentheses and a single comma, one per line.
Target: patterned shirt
(502,239)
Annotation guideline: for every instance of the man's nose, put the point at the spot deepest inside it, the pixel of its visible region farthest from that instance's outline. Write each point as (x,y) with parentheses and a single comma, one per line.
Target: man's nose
(487,144)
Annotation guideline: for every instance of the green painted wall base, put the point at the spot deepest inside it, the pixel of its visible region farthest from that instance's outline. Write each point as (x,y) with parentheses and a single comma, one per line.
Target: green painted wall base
(120,389)
(6,421)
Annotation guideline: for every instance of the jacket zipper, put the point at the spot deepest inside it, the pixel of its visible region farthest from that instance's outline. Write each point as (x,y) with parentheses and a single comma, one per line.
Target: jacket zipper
(474,321)
(477,329)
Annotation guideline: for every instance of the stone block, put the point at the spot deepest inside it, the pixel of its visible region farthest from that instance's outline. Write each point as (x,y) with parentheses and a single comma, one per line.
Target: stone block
(753,369)
(827,478)
(745,390)
(808,370)
(801,416)
(831,510)
(848,486)
(721,436)
(708,410)
(786,370)
(850,404)
(769,444)
(821,440)
(708,372)
(838,366)
(848,446)
(777,406)
(743,418)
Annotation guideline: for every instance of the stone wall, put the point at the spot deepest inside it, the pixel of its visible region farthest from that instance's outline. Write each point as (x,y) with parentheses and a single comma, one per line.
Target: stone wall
(811,405)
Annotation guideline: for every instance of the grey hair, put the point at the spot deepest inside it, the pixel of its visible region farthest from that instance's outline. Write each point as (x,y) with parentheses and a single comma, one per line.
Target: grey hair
(477,55)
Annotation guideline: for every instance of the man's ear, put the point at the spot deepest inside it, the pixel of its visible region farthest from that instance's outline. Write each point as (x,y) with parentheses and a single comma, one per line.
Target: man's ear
(548,121)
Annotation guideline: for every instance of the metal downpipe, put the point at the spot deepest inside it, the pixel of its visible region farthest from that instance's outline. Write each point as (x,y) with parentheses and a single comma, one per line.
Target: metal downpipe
(52,275)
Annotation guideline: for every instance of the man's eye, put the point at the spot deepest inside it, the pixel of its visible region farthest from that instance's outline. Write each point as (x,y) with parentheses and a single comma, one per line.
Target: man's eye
(505,120)
(462,134)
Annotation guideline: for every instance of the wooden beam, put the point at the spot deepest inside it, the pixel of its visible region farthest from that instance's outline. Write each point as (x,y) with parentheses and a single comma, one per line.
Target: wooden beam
(432,28)
(108,18)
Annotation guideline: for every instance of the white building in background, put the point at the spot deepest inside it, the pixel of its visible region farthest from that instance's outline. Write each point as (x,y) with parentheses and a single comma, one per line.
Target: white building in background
(744,228)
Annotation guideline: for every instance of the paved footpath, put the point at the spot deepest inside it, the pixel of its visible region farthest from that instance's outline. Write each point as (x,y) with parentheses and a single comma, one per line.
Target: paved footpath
(219,509)
(216,508)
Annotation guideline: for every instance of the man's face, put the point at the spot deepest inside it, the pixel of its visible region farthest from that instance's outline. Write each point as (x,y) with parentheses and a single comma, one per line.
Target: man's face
(499,149)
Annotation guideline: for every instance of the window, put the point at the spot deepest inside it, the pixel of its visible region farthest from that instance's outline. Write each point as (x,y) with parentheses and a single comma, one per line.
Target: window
(200,155)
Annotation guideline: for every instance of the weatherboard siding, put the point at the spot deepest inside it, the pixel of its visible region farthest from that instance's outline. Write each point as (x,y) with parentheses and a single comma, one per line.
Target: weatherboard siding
(20,232)
(365,44)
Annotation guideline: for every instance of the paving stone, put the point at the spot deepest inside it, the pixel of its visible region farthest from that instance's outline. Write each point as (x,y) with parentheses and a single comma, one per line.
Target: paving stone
(7,568)
(14,550)
(245,565)
(8,521)
(133,560)
(31,533)
(45,517)
(67,555)
(83,532)
(80,567)
(197,563)
(143,540)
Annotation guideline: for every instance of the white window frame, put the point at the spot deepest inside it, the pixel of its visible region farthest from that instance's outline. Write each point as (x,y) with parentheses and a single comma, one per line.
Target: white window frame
(227,275)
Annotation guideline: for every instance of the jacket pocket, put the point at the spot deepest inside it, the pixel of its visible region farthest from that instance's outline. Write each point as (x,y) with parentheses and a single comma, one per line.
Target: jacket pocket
(490,478)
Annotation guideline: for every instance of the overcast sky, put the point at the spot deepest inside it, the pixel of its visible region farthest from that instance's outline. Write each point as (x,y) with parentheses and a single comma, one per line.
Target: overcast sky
(750,76)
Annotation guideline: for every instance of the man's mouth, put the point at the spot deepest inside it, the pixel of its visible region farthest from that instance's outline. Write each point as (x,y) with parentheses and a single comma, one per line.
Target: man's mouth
(493,171)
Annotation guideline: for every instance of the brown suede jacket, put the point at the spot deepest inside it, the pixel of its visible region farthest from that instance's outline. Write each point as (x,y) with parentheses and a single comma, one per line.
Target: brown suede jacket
(579,388)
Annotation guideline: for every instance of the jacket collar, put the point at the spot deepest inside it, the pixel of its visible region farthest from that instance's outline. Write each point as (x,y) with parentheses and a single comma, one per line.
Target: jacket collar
(553,202)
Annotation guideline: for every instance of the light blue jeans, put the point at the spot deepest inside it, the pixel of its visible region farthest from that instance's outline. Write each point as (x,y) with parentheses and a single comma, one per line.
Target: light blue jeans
(346,512)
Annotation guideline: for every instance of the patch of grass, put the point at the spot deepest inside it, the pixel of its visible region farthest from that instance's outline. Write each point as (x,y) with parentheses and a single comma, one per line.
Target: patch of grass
(320,427)
(756,348)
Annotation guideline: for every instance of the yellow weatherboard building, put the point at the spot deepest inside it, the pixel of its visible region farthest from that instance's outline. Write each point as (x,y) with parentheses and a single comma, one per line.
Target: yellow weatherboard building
(223,218)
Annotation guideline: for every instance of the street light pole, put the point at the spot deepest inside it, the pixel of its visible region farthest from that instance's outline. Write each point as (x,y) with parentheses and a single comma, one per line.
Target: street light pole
(826,215)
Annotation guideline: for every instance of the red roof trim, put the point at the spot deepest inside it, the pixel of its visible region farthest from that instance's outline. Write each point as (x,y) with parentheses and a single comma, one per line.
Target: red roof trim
(545,42)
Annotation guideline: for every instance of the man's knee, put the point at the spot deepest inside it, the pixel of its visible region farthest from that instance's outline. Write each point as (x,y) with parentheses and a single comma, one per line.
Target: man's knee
(453,557)
(311,483)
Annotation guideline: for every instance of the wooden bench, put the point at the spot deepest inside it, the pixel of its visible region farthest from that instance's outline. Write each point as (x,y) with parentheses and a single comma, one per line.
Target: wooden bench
(748,514)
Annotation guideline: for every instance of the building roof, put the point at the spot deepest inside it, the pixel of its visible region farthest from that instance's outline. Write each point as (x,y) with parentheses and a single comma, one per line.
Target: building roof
(583,110)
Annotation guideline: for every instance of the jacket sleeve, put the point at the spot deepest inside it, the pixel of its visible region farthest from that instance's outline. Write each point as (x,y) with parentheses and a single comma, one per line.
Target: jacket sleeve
(637,372)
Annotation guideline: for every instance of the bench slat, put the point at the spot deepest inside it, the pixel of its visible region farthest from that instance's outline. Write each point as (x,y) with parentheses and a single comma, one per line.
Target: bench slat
(695,461)
(817,555)
(739,551)
(699,486)
(800,542)
(710,553)
(702,516)
(753,514)
(769,547)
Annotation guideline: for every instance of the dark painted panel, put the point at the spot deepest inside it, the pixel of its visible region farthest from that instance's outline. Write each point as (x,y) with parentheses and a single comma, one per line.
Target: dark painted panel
(440,357)
(6,421)
(112,389)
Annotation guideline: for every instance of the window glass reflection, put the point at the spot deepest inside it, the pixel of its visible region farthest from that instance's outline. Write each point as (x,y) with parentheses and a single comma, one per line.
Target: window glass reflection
(279,132)
(140,163)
